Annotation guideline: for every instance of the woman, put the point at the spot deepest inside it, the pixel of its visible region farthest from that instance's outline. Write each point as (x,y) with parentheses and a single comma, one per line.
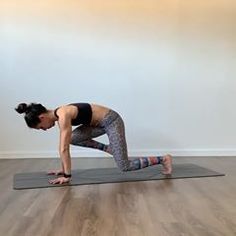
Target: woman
(92,121)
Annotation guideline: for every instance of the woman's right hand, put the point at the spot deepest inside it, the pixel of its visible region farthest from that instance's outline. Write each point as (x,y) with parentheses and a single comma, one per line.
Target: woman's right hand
(56,172)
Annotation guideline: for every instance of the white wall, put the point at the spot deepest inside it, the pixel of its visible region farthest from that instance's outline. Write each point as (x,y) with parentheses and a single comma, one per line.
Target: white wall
(167,66)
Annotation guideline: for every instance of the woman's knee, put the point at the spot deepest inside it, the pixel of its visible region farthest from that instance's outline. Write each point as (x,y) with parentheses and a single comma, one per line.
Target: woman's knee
(74,140)
(124,166)
(124,169)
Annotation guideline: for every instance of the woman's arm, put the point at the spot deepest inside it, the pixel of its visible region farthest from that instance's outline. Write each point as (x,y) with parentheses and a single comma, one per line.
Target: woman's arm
(64,123)
(64,145)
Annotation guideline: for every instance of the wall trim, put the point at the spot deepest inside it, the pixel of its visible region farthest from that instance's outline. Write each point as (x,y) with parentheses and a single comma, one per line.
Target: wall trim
(132,153)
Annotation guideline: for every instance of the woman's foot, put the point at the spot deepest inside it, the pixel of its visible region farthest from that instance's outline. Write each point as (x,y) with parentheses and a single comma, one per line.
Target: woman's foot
(167,165)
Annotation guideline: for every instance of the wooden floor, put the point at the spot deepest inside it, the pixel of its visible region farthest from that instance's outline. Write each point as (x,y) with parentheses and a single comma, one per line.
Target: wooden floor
(201,206)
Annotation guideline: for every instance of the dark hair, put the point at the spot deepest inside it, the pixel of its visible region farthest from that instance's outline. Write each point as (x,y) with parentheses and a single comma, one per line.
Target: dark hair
(32,112)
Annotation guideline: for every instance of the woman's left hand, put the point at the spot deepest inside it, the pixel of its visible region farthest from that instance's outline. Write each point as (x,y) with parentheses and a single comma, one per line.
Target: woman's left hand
(59,180)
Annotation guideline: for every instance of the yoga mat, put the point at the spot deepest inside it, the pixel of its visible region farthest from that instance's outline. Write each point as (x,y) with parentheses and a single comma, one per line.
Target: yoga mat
(112,175)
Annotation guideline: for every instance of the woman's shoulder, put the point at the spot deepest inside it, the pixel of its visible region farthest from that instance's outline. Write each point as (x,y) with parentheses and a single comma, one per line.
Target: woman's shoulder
(68,111)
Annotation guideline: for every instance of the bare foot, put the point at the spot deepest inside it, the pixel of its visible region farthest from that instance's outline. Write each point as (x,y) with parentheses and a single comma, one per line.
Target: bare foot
(167,165)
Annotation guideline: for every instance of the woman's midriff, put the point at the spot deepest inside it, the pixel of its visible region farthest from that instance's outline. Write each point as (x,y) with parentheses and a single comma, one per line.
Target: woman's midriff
(98,113)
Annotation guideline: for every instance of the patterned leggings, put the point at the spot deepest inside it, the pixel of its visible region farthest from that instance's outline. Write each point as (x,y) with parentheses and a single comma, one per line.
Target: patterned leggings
(112,125)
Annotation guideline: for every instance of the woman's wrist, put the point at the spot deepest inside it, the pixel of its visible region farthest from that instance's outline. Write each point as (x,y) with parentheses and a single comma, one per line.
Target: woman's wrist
(67,175)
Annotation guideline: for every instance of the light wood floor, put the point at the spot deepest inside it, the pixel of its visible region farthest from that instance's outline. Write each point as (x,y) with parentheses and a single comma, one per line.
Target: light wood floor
(201,207)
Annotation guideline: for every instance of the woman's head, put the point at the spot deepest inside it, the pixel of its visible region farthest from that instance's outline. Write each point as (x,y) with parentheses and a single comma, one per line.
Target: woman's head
(36,115)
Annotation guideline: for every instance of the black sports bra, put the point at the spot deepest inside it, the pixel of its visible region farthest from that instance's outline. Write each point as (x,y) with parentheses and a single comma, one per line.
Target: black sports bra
(84,115)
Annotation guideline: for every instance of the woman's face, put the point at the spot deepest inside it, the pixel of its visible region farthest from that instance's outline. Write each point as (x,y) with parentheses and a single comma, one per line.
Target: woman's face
(45,122)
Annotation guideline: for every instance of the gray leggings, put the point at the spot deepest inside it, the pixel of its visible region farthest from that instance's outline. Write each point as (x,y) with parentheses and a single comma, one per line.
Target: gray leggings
(112,125)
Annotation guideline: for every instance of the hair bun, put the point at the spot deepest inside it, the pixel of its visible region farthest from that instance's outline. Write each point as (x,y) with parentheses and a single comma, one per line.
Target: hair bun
(22,108)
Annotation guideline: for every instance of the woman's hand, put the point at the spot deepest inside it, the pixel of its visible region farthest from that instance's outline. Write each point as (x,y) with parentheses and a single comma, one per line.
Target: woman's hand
(59,180)
(55,172)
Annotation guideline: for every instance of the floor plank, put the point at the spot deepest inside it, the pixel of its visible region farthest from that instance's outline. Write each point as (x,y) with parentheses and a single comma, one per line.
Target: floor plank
(202,206)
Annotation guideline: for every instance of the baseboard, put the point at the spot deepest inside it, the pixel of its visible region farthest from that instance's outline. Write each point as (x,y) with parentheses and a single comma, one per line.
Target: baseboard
(132,153)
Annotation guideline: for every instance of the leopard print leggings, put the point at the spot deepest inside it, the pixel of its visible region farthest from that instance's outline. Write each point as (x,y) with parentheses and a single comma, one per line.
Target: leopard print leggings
(112,125)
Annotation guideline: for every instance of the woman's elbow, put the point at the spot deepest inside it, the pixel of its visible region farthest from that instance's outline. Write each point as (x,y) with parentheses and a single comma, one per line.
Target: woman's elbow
(64,150)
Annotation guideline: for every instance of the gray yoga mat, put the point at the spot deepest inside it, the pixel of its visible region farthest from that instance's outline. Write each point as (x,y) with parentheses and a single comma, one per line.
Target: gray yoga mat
(112,175)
